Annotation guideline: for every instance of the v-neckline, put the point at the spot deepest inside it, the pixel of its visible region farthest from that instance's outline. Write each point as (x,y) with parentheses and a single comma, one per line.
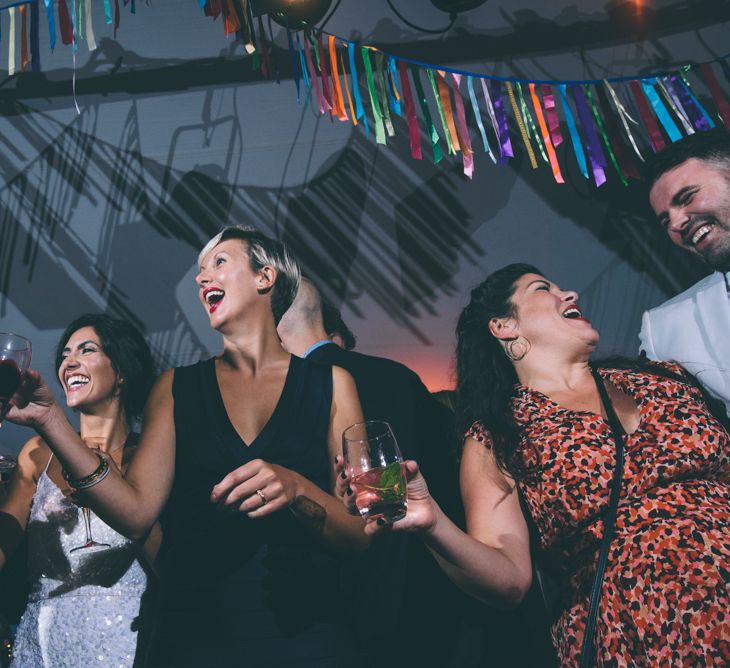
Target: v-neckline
(598,416)
(271,422)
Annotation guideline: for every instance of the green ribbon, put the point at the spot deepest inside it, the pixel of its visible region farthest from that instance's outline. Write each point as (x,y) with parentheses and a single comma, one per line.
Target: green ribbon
(604,136)
(383,86)
(435,90)
(377,114)
(432,134)
(530,122)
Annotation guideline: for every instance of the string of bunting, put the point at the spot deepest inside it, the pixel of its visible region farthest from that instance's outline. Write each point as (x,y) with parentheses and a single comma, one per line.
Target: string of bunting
(611,123)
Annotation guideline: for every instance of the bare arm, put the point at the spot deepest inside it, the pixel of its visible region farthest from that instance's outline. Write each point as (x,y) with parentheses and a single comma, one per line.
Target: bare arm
(15,507)
(492,562)
(283,488)
(129,504)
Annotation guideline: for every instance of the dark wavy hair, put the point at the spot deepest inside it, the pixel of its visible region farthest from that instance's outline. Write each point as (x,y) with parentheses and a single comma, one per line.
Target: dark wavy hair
(486,378)
(128,353)
(334,324)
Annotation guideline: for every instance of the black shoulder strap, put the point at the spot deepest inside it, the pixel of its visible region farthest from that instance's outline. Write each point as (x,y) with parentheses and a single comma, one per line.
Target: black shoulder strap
(609,522)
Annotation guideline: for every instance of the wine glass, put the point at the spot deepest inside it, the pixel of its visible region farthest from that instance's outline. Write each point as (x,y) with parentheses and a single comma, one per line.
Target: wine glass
(378,475)
(15,352)
(90,542)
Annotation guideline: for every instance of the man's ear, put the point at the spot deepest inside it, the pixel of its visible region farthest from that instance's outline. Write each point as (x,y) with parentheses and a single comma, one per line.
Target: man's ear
(266,278)
(504,329)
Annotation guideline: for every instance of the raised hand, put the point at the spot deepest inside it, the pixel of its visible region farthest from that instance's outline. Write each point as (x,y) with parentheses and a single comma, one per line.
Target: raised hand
(32,404)
(257,488)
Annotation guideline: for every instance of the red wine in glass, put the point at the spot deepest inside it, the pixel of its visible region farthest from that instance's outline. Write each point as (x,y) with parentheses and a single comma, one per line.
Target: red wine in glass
(15,353)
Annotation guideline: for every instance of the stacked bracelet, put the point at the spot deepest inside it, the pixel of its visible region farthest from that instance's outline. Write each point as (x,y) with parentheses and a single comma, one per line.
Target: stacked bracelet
(94,478)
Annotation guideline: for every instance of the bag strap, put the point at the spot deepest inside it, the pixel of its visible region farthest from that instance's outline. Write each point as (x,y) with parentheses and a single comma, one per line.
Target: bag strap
(609,523)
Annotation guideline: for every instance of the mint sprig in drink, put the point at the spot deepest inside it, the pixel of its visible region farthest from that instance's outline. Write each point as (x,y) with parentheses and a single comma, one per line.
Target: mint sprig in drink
(378,473)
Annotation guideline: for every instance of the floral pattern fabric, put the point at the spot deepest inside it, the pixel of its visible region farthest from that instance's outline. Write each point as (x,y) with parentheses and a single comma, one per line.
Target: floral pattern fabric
(666,591)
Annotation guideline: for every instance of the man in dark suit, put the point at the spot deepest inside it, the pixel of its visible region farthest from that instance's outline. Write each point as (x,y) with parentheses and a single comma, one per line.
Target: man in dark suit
(407,605)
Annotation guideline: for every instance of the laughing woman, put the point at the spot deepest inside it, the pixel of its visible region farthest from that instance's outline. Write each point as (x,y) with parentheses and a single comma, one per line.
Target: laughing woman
(236,459)
(546,427)
(84,602)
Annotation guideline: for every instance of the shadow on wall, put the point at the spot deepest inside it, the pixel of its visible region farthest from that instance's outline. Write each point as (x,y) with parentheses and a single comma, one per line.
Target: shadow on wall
(371,224)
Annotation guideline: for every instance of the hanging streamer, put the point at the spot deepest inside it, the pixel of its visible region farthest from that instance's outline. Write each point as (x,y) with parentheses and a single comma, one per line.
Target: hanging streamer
(625,118)
(463,131)
(699,117)
(718,96)
(529,122)
(521,125)
(24,59)
(442,115)
(432,133)
(505,143)
(359,109)
(321,101)
(660,110)
(553,122)
(493,119)
(593,143)
(339,108)
(294,65)
(655,135)
(382,86)
(554,165)
(673,101)
(573,131)
(478,117)
(414,134)
(11,42)
(445,97)
(90,39)
(377,116)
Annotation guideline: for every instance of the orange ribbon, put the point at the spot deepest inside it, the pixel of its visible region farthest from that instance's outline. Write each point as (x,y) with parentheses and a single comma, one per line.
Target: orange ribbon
(448,111)
(338,102)
(546,135)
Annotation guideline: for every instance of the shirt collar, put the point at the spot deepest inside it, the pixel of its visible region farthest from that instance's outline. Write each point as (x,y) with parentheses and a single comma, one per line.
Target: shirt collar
(314,346)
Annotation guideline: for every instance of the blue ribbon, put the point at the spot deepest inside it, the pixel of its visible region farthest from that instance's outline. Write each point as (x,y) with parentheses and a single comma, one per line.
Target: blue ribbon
(573,129)
(478,116)
(303,65)
(50,4)
(660,110)
(392,84)
(359,109)
(108,11)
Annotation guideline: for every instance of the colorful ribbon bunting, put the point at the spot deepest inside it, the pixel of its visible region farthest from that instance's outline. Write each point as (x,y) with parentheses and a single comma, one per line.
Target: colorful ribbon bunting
(521,124)
(546,136)
(414,134)
(723,107)
(573,131)
(593,143)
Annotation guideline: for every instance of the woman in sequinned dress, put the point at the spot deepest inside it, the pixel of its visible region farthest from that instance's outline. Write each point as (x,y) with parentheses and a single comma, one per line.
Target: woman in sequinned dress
(84,604)
(536,428)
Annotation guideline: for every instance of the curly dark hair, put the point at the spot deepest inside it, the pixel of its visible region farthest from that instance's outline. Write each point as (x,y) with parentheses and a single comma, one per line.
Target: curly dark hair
(486,378)
(128,353)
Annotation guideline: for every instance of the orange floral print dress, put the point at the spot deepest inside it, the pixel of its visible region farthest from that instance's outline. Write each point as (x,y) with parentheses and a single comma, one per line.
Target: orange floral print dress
(666,592)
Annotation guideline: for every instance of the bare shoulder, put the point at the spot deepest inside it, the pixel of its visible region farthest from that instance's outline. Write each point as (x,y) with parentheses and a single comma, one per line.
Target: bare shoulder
(33,458)
(342,380)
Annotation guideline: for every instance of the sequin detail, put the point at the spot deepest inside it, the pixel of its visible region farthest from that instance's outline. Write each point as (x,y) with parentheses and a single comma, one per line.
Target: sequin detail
(83,606)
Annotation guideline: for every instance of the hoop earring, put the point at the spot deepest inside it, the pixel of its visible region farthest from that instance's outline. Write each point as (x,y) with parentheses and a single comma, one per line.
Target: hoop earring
(516,349)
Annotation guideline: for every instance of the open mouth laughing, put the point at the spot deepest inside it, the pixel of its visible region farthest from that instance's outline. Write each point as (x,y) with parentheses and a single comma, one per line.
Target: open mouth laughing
(213,297)
(76,381)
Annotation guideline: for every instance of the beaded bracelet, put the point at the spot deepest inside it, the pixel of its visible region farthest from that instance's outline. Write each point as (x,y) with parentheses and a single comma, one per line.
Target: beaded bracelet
(94,478)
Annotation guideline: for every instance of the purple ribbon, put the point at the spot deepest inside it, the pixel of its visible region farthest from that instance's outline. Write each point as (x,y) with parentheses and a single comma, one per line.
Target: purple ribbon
(696,117)
(500,114)
(593,143)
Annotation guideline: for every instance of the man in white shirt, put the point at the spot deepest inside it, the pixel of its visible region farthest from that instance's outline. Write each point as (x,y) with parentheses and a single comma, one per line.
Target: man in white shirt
(690,193)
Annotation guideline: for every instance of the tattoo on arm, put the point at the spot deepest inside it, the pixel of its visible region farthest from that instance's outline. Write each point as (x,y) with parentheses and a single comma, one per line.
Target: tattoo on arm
(309,512)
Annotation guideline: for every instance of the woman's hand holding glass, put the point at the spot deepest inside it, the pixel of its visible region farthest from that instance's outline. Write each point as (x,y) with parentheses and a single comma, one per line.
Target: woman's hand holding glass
(33,404)
(421,515)
(257,488)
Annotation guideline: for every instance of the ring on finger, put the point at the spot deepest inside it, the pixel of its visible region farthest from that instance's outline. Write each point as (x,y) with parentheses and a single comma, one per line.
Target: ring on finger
(262,496)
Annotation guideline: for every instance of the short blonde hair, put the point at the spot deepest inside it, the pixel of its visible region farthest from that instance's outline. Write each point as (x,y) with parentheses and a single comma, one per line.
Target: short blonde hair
(264,251)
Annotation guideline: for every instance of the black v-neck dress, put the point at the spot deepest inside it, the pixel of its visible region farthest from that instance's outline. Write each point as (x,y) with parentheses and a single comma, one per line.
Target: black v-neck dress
(237,591)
